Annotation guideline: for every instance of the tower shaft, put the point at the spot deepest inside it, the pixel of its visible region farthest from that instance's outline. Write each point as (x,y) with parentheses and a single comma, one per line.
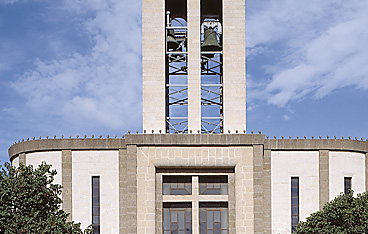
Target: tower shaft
(191,82)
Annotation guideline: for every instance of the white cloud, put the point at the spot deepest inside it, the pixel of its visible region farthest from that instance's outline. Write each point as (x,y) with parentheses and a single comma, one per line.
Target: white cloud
(286,117)
(269,21)
(324,47)
(102,86)
(5,2)
(321,47)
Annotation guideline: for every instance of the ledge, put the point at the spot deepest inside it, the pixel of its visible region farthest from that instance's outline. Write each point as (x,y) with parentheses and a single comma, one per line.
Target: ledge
(195,139)
(66,144)
(135,139)
(317,144)
(187,140)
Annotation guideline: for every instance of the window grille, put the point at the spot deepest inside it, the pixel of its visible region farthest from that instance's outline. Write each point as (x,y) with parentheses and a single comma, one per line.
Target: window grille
(294,203)
(96,204)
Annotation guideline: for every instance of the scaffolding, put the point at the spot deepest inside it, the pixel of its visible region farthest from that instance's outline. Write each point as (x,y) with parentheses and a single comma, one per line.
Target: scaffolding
(177,82)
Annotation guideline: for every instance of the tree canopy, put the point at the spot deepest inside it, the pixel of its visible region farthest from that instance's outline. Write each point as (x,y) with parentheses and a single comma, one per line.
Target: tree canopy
(30,202)
(344,214)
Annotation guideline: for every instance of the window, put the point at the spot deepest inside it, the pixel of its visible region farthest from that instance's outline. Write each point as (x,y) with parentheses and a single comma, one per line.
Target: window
(294,202)
(177,218)
(211,213)
(213,218)
(347,185)
(177,185)
(96,204)
(213,185)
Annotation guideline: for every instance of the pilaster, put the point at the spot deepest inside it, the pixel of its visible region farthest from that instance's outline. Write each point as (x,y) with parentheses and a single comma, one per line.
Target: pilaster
(194,71)
(267,208)
(123,189)
(234,65)
(66,178)
(130,207)
(324,185)
(22,159)
(258,189)
(153,54)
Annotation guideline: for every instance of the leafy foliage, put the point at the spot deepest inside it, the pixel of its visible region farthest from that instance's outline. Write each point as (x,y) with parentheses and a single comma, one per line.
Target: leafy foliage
(30,202)
(345,214)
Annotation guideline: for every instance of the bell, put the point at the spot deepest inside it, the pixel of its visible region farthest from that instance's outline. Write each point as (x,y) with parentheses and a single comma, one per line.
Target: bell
(172,43)
(210,41)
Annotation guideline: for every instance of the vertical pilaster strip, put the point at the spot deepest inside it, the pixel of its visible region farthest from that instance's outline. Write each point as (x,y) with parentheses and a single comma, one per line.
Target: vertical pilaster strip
(232,204)
(324,185)
(66,180)
(22,159)
(153,62)
(159,205)
(122,189)
(145,197)
(195,205)
(130,221)
(366,171)
(194,72)
(267,208)
(244,192)
(258,188)
(234,65)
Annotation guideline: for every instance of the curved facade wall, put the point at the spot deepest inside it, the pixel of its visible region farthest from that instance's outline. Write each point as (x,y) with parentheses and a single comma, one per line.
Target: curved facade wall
(259,173)
(346,164)
(15,161)
(105,165)
(284,166)
(50,157)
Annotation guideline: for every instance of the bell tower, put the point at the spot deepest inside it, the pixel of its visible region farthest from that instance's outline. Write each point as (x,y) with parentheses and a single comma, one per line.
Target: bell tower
(194,66)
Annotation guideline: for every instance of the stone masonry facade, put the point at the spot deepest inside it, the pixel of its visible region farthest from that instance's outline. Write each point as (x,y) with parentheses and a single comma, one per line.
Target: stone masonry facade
(245,157)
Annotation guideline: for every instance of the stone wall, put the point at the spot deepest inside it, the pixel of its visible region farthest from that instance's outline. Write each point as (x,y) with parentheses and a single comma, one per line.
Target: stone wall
(260,170)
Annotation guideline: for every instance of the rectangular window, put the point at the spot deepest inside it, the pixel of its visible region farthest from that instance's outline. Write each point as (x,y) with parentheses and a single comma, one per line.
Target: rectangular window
(177,218)
(213,218)
(96,204)
(294,202)
(347,185)
(177,185)
(210,199)
(213,185)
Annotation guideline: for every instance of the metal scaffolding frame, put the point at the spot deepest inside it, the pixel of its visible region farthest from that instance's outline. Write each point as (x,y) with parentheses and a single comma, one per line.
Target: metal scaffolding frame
(177,83)
(212,91)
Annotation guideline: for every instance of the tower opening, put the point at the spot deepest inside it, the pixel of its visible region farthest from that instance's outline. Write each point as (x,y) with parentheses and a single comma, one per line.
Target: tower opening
(211,67)
(176,72)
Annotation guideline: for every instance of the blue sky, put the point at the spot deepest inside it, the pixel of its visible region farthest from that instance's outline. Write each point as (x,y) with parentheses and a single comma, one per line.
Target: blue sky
(73,67)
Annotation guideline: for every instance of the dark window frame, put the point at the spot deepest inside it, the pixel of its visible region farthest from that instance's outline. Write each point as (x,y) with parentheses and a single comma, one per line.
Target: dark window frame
(96,201)
(347,185)
(177,209)
(294,203)
(208,223)
(177,185)
(213,185)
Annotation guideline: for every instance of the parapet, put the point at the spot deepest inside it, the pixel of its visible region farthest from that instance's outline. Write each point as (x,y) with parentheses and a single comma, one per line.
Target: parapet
(237,139)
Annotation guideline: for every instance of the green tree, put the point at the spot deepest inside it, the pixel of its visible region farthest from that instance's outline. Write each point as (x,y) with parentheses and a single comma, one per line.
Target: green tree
(30,202)
(345,214)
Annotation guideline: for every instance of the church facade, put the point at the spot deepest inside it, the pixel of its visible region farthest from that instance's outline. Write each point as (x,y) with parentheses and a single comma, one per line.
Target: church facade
(195,168)
(145,181)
